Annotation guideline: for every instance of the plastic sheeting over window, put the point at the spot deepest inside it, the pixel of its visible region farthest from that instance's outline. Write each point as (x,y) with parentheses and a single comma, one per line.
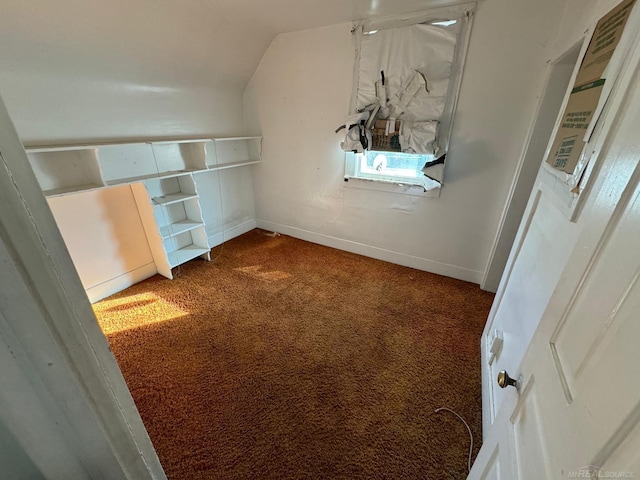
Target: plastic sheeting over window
(406,81)
(406,72)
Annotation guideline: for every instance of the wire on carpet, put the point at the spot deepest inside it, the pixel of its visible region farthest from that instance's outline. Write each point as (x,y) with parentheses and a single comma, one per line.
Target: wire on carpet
(438,410)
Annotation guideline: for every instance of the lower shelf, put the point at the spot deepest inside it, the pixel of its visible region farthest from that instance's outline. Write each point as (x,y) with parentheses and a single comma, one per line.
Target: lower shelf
(185,254)
(179,227)
(172,198)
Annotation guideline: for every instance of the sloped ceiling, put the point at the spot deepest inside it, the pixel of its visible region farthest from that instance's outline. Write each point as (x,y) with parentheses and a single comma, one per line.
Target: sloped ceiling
(151,48)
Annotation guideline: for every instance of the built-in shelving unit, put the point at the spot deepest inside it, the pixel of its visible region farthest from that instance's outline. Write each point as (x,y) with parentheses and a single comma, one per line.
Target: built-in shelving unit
(161,175)
(65,170)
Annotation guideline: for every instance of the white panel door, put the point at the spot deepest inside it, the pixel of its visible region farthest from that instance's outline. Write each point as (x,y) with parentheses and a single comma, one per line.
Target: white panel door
(576,413)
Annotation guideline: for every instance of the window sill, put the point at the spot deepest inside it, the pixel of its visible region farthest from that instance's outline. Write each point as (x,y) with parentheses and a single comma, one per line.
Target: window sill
(390,187)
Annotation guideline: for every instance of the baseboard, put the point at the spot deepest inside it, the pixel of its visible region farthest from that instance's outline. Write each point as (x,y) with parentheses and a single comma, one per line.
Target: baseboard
(461,273)
(230,232)
(114,285)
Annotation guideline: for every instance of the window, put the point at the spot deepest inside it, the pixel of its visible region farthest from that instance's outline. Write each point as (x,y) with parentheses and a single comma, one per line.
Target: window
(406,81)
(390,166)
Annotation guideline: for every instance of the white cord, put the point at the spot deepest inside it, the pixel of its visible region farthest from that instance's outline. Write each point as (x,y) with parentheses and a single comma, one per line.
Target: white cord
(437,410)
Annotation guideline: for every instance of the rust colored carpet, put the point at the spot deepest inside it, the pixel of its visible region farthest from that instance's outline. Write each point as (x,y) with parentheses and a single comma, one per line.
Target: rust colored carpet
(283,359)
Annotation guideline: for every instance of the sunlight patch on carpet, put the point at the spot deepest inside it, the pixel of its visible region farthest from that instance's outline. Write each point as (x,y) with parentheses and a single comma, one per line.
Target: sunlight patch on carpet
(254,271)
(135,311)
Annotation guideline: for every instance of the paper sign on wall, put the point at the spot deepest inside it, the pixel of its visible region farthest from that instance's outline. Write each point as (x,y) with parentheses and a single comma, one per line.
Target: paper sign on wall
(569,141)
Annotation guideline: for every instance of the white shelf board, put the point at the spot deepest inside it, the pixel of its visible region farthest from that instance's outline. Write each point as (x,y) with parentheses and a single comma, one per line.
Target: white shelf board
(57,148)
(173,198)
(176,173)
(66,148)
(63,148)
(56,192)
(179,227)
(225,139)
(184,140)
(178,257)
(242,163)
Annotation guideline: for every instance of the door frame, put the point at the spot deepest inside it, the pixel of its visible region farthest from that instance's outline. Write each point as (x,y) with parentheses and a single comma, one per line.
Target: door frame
(549,104)
(67,329)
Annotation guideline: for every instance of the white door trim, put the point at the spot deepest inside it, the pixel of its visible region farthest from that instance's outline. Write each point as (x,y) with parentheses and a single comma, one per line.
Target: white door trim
(65,329)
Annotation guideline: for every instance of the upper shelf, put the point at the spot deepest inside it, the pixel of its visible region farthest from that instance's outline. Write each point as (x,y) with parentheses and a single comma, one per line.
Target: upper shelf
(232,152)
(63,170)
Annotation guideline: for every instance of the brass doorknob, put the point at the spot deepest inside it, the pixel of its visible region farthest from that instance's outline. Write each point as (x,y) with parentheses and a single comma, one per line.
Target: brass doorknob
(504,380)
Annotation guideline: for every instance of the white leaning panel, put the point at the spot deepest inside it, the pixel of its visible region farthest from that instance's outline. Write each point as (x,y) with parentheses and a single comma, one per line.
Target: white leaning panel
(145,208)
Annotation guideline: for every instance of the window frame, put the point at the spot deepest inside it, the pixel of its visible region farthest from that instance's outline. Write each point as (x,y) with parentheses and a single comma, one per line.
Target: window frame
(464,14)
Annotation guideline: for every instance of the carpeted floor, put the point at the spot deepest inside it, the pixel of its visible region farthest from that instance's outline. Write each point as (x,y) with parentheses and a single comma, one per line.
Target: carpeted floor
(283,359)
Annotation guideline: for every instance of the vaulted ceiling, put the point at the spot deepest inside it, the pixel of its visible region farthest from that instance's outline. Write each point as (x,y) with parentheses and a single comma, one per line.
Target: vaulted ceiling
(156,48)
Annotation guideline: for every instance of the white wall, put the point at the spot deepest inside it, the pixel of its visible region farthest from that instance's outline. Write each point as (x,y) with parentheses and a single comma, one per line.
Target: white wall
(300,93)
(85,71)
(226,198)
(77,70)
